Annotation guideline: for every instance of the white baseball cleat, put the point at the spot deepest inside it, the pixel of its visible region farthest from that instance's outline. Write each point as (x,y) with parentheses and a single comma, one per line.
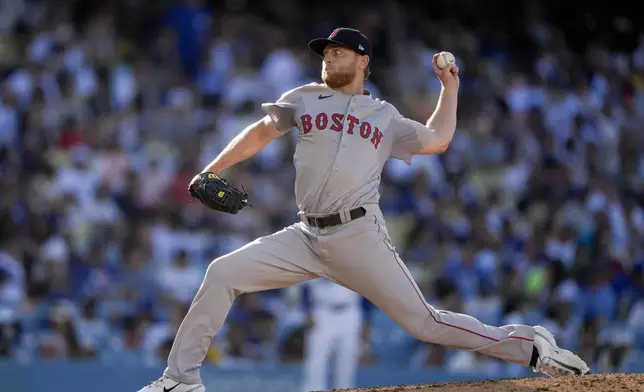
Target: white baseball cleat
(165,384)
(554,360)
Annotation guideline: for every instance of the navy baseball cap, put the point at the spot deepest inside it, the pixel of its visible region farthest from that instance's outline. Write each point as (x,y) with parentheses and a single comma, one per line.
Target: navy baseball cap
(349,38)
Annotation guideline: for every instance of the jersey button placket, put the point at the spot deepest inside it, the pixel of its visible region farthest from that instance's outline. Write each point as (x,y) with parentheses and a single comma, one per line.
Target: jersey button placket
(339,157)
(352,101)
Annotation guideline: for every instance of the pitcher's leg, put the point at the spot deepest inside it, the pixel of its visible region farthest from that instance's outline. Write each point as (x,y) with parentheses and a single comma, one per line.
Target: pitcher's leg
(368,264)
(270,262)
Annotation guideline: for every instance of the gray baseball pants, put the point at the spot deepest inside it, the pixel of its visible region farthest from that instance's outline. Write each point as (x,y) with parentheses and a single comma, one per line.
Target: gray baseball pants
(358,255)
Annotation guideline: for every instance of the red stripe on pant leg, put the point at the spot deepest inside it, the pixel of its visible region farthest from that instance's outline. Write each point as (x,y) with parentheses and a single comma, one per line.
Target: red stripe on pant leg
(476,333)
(444,323)
(429,309)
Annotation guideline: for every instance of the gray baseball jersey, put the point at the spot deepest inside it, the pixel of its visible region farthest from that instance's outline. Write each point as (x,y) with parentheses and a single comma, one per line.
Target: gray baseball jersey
(343,143)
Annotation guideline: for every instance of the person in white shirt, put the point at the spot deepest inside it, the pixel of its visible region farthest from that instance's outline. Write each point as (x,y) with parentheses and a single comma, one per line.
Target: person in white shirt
(180,280)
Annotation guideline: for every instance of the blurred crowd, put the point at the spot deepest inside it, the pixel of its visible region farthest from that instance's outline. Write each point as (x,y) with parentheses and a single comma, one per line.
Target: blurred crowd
(535,214)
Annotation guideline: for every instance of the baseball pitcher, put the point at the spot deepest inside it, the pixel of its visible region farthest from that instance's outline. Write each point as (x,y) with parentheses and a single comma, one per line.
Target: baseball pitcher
(344,139)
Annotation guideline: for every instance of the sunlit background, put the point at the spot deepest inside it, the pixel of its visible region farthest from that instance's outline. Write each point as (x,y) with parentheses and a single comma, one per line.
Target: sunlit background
(535,214)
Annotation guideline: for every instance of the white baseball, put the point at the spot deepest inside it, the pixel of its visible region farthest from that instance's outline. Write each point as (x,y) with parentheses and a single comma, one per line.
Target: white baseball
(445,59)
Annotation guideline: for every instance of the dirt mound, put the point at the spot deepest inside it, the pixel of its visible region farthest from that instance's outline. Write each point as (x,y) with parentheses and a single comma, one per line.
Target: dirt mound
(591,383)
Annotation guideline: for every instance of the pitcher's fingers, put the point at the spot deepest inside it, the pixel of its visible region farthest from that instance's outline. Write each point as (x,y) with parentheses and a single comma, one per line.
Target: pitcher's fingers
(435,64)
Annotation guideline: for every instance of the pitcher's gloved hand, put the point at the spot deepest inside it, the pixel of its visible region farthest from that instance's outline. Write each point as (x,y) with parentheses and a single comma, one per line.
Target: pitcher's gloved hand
(216,194)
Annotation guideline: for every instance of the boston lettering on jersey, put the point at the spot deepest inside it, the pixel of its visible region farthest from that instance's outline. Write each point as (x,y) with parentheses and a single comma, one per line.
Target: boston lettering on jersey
(334,122)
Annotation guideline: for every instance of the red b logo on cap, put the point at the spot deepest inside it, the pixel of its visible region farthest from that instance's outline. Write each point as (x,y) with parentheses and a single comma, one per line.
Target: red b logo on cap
(334,33)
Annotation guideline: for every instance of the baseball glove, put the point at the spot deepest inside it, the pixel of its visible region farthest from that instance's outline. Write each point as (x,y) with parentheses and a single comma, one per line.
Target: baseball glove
(216,194)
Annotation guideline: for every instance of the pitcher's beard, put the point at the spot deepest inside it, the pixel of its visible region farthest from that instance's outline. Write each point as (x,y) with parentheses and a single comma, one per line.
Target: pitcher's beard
(337,79)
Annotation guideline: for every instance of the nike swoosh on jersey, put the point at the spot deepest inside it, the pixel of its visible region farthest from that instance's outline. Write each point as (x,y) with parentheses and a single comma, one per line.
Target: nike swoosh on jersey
(325,96)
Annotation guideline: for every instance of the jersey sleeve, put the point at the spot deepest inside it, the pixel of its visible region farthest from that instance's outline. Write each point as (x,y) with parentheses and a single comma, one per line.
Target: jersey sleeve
(283,111)
(409,137)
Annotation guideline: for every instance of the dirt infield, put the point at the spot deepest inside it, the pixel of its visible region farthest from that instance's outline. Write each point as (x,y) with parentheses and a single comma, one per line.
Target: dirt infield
(591,383)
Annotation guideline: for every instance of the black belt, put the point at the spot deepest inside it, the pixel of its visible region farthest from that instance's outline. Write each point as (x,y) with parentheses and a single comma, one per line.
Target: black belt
(334,219)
